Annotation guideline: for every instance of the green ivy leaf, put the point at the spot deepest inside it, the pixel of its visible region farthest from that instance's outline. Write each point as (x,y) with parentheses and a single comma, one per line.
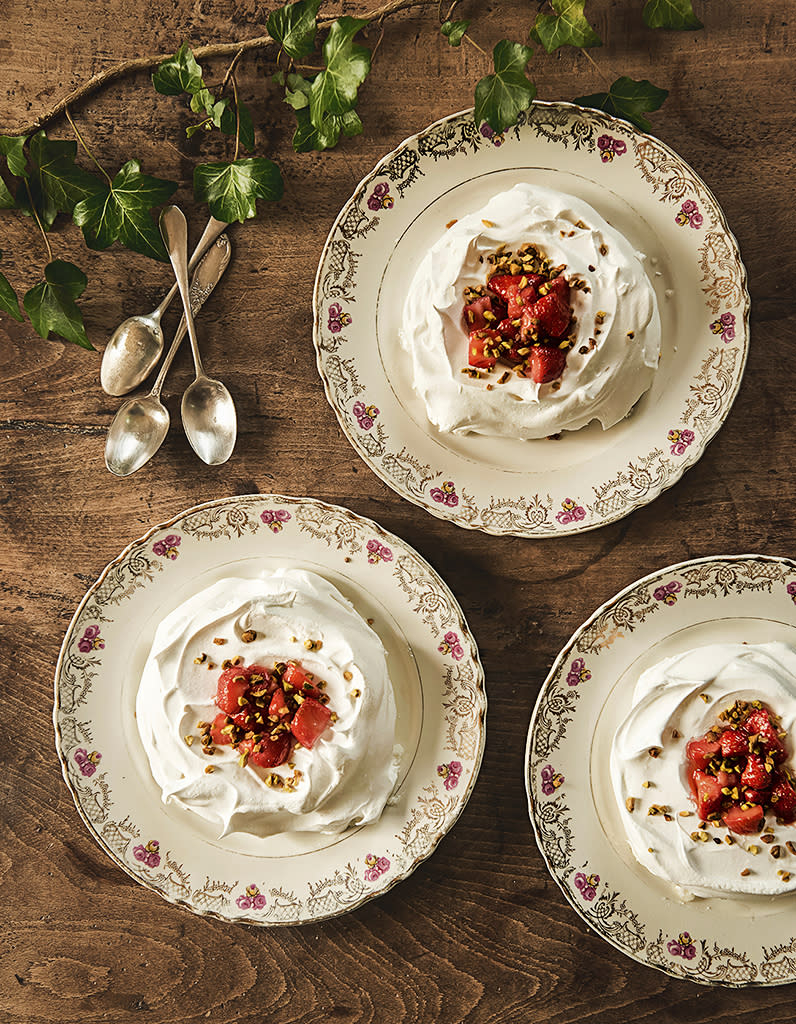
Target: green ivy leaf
(567,27)
(6,199)
(309,137)
(334,90)
(628,99)
(231,189)
(120,212)
(58,178)
(9,302)
(51,305)
(12,148)
(500,98)
(678,14)
(454,31)
(297,92)
(227,123)
(294,27)
(179,73)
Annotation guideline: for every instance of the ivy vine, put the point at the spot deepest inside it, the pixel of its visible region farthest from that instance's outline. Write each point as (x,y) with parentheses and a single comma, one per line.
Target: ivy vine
(41,178)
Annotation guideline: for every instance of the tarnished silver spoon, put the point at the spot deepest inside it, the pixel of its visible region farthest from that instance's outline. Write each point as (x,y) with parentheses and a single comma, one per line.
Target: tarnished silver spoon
(208,412)
(140,426)
(137,343)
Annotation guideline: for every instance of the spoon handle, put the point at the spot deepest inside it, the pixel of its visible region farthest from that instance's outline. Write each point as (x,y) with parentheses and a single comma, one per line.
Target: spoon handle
(206,277)
(211,232)
(174,229)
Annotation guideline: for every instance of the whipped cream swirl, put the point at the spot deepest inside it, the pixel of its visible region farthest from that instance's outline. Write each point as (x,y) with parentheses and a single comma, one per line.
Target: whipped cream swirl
(352,768)
(602,382)
(675,701)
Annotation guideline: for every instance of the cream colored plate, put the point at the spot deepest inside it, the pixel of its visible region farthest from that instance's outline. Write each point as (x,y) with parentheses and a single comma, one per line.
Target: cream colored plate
(744,941)
(588,477)
(287,879)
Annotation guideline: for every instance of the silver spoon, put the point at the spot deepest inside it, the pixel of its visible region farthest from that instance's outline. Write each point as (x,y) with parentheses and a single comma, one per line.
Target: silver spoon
(208,412)
(140,426)
(136,344)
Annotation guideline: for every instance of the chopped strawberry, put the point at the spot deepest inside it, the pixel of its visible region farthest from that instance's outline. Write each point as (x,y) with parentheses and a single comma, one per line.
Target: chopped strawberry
(755,796)
(221,739)
(759,724)
(546,363)
(701,752)
(233,683)
(783,798)
(518,299)
(708,793)
(480,342)
(278,705)
(733,742)
(754,774)
(728,780)
(743,821)
(300,680)
(501,283)
(246,717)
(266,752)
(310,721)
(559,286)
(507,329)
(259,676)
(474,318)
(551,314)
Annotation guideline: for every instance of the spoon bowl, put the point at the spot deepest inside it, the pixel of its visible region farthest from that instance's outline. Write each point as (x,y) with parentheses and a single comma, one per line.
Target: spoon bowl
(209,419)
(131,354)
(138,430)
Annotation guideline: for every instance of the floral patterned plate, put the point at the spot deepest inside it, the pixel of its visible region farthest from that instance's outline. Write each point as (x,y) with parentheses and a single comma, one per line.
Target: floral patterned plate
(287,879)
(586,478)
(743,941)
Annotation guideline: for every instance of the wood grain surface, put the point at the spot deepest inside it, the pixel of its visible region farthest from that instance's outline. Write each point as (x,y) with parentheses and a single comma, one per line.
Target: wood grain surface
(480,932)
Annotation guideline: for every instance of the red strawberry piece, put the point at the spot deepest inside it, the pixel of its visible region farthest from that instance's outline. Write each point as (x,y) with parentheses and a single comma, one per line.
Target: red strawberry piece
(233,683)
(518,299)
(559,286)
(474,318)
(783,798)
(245,718)
(551,314)
(755,796)
(755,775)
(479,342)
(278,705)
(266,752)
(507,330)
(701,752)
(708,793)
(501,283)
(759,723)
(733,742)
(300,680)
(218,737)
(728,780)
(310,721)
(546,363)
(743,821)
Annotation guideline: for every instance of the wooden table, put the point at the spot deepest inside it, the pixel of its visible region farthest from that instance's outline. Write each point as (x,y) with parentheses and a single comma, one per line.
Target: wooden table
(480,932)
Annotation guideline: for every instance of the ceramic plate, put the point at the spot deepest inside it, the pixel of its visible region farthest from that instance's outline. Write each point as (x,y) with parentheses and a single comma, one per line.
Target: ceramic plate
(735,942)
(288,879)
(587,478)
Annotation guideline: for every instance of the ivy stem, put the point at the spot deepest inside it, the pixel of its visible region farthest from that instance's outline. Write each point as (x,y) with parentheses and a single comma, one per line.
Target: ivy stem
(595,65)
(472,42)
(38,221)
(451,9)
(82,142)
(237,116)
(231,70)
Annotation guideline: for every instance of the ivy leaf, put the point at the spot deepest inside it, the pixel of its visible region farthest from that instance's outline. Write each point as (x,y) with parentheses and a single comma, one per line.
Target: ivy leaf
(294,27)
(297,92)
(179,73)
(678,14)
(11,147)
(55,173)
(51,305)
(120,212)
(231,189)
(501,97)
(6,199)
(628,99)
(567,27)
(334,90)
(308,137)
(454,31)
(228,123)
(9,302)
